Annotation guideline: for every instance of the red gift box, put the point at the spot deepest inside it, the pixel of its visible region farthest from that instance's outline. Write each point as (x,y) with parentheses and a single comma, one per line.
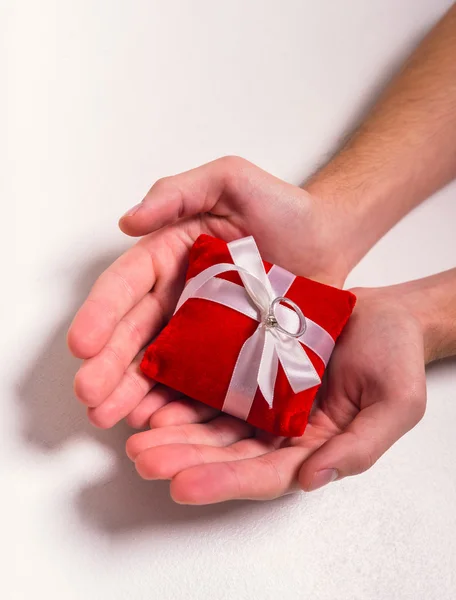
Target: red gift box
(196,353)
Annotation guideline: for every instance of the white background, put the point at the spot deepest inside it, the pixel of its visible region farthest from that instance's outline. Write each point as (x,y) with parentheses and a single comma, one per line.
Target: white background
(99,98)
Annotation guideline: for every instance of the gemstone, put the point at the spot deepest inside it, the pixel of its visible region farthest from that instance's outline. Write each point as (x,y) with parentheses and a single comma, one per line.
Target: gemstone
(271,321)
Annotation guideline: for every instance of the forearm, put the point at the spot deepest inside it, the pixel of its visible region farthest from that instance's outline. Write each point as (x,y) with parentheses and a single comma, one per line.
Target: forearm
(403,152)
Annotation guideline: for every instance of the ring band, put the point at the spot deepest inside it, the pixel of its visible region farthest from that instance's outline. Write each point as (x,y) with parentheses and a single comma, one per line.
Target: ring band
(298,311)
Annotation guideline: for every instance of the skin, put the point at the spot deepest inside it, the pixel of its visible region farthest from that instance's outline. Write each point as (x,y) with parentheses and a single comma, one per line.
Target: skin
(370,398)
(374,390)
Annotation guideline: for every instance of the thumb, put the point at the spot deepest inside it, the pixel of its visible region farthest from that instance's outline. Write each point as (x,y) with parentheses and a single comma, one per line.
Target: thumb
(180,196)
(373,431)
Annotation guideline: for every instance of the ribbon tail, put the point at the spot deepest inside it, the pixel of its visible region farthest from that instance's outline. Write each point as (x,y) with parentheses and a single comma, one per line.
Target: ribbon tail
(298,367)
(267,373)
(244,381)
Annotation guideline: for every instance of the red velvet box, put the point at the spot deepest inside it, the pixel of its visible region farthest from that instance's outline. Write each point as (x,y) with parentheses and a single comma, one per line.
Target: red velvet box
(198,349)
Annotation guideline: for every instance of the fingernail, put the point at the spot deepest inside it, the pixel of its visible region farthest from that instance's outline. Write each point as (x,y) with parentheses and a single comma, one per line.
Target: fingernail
(322,478)
(132,211)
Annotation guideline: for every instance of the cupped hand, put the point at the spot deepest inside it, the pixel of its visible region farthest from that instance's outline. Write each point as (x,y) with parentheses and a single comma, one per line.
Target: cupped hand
(134,298)
(374,391)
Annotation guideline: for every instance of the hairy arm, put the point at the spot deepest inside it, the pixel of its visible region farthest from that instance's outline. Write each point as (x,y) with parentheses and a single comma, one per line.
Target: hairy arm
(404,151)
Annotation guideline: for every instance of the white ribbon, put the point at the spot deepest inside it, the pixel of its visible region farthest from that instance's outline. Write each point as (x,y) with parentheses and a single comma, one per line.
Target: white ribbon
(258,360)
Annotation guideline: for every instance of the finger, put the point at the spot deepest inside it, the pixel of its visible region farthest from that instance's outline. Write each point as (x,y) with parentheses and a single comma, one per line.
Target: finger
(222,431)
(114,293)
(262,478)
(159,396)
(184,195)
(99,375)
(371,433)
(181,412)
(132,388)
(164,462)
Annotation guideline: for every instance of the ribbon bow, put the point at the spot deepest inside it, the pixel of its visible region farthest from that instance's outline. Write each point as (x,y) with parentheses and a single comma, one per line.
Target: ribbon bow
(280,333)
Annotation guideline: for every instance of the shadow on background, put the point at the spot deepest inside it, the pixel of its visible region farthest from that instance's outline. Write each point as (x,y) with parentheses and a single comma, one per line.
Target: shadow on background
(51,415)
(442,367)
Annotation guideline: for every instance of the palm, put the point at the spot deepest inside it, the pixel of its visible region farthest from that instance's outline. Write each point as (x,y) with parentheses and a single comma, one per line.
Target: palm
(376,376)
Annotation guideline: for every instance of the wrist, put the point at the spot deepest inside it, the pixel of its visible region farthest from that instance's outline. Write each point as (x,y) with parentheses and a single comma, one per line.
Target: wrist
(431,301)
(357,210)
(368,189)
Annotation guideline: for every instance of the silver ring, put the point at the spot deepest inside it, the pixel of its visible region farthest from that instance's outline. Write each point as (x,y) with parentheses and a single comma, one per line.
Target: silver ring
(272,319)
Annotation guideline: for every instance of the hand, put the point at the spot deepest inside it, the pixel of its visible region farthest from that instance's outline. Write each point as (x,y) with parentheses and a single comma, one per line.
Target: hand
(134,298)
(374,392)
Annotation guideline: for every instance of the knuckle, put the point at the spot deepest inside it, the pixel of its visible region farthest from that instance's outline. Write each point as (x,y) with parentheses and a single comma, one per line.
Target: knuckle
(152,469)
(98,419)
(136,383)
(417,408)
(121,280)
(366,460)
(134,421)
(414,403)
(231,159)
(161,419)
(169,188)
(278,485)
(235,452)
(363,456)
(232,163)
(85,391)
(133,330)
(236,479)
(163,183)
(233,170)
